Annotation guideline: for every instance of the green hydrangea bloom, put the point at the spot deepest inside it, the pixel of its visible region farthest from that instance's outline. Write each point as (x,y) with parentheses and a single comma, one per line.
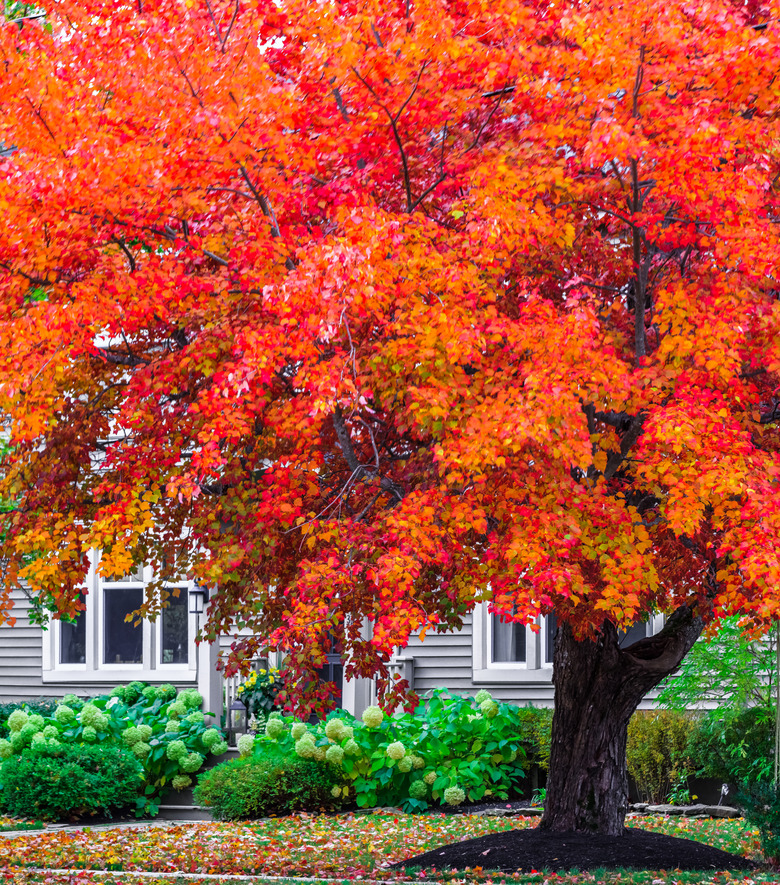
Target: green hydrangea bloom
(305,747)
(219,748)
(141,750)
(28,731)
(70,700)
(483,695)
(181,782)
(145,731)
(191,762)
(119,692)
(91,715)
(274,729)
(298,730)
(373,716)
(89,734)
(396,750)
(334,754)
(130,736)
(334,729)
(210,737)
(65,714)
(352,748)
(349,731)
(37,720)
(454,796)
(405,764)
(166,692)
(246,744)
(417,762)
(177,710)
(52,746)
(18,741)
(172,726)
(335,792)
(149,694)
(418,790)
(489,708)
(429,777)
(176,750)
(6,749)
(51,731)
(191,698)
(196,718)
(133,691)
(17,720)
(319,754)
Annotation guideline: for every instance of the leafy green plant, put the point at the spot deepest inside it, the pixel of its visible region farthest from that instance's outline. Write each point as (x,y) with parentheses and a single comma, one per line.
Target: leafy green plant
(735,745)
(271,782)
(760,804)
(539,796)
(658,752)
(165,730)
(451,749)
(728,668)
(44,706)
(53,783)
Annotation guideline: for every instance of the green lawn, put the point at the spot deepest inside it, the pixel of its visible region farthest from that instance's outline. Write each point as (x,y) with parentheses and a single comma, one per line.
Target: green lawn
(341,848)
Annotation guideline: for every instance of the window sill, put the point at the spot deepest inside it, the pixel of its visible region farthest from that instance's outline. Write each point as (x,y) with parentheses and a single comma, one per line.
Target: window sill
(518,675)
(116,674)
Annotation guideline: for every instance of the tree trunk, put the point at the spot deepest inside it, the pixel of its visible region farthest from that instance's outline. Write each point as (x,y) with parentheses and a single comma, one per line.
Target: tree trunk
(598,686)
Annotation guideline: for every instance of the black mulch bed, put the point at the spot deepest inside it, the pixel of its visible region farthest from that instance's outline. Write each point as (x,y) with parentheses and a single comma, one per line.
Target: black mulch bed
(533,849)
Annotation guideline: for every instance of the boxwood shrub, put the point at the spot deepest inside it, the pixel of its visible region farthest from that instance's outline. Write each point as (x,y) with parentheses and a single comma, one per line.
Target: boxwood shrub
(70,781)
(270,782)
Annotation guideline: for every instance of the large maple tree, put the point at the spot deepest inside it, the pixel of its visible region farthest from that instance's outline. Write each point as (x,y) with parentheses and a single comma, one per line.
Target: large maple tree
(365,313)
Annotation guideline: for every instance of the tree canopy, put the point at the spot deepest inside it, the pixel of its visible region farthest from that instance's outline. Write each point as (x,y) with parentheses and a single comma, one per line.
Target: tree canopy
(364,313)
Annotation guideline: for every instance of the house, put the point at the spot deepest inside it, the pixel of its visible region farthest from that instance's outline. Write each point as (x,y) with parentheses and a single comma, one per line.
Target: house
(101,650)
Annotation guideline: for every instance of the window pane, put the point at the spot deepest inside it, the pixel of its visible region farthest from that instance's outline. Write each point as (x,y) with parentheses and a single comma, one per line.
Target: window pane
(550,629)
(123,640)
(508,641)
(175,633)
(73,640)
(635,632)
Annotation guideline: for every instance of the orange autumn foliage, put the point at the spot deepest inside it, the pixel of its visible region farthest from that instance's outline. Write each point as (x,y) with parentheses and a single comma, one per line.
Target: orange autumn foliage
(365,313)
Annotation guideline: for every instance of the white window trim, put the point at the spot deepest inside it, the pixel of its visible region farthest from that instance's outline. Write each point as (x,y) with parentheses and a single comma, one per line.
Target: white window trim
(485,670)
(94,670)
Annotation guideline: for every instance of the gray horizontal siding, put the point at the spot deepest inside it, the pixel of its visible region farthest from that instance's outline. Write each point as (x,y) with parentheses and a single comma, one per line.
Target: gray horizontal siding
(21,655)
(444,660)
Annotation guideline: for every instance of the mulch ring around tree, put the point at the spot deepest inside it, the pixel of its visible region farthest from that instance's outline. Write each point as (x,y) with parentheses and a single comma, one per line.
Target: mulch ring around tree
(529,850)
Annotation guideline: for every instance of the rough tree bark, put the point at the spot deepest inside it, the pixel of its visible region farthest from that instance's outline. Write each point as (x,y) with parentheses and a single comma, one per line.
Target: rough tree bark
(598,686)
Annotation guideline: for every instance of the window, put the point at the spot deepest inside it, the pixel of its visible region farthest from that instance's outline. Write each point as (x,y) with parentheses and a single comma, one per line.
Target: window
(73,640)
(508,641)
(103,645)
(503,651)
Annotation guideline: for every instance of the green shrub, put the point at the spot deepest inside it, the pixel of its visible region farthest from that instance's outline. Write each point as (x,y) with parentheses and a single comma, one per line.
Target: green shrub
(271,782)
(736,745)
(760,804)
(163,729)
(451,749)
(42,706)
(52,783)
(658,753)
(536,730)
